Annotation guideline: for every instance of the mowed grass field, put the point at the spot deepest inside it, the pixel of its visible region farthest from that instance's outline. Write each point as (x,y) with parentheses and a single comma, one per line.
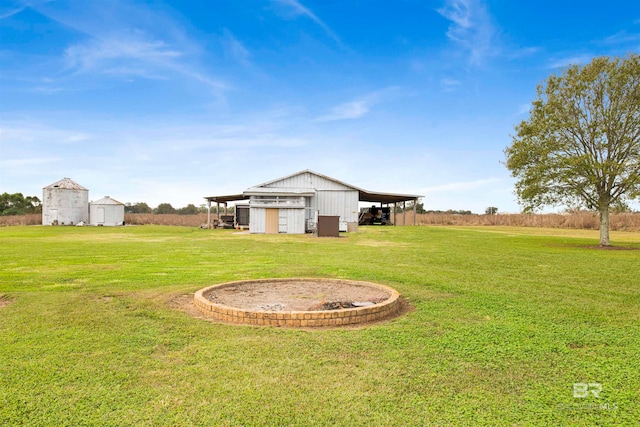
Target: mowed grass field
(504,322)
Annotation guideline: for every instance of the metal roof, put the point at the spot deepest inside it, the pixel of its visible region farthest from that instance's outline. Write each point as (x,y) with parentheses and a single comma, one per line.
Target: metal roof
(363,195)
(67,184)
(106,201)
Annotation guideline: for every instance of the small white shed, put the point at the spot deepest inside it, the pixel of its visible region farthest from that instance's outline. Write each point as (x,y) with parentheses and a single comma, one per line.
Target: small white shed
(65,202)
(106,211)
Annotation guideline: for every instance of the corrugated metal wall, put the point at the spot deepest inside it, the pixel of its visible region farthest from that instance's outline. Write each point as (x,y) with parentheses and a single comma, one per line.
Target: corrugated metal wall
(257,220)
(290,221)
(341,203)
(113,214)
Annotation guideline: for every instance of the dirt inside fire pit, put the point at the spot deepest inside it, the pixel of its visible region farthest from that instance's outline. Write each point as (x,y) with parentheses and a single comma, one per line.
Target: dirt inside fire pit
(299,295)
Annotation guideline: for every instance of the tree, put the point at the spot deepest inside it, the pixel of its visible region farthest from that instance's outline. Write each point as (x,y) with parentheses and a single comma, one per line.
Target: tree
(581,144)
(190,209)
(491,210)
(17,204)
(165,208)
(139,207)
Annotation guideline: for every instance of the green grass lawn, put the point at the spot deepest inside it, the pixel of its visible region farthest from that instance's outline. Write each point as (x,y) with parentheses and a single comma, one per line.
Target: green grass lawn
(505,321)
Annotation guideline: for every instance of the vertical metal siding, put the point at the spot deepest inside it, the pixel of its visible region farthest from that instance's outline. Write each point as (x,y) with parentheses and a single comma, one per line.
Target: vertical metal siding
(341,203)
(308,180)
(257,220)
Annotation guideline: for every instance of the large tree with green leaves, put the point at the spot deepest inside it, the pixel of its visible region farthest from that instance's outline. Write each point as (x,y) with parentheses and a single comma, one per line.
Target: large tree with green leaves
(580,146)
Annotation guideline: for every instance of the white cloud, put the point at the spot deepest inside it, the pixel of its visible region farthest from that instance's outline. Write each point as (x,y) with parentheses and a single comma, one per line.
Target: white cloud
(347,111)
(127,45)
(471,28)
(357,108)
(524,109)
(449,84)
(299,10)
(570,60)
(235,49)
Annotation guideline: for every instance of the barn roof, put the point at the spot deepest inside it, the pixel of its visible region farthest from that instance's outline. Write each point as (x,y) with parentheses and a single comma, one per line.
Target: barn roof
(106,201)
(67,184)
(363,195)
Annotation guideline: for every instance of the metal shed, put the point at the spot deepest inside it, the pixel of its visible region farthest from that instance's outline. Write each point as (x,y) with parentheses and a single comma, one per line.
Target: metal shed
(293,203)
(106,211)
(65,202)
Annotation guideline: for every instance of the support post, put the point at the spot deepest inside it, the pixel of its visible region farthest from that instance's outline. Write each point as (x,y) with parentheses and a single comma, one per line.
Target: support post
(395,213)
(404,213)
(415,210)
(208,213)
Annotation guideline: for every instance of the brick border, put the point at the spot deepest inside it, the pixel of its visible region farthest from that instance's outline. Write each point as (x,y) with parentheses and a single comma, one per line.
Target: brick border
(299,319)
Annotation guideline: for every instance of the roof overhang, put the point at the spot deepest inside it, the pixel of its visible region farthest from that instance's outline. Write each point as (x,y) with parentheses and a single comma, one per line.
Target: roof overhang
(225,199)
(369,196)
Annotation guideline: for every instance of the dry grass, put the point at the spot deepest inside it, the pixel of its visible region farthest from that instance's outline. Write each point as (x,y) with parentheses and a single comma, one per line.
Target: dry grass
(167,219)
(30,219)
(579,220)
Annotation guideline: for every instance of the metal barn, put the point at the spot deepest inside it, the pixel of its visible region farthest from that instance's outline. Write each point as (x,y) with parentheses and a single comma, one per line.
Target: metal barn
(65,203)
(293,203)
(106,211)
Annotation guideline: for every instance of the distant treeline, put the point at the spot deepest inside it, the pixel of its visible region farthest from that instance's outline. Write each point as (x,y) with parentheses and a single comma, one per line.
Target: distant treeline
(17,204)
(167,209)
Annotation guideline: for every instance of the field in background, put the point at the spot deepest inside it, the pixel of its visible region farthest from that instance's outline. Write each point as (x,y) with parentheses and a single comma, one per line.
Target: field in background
(580,220)
(508,327)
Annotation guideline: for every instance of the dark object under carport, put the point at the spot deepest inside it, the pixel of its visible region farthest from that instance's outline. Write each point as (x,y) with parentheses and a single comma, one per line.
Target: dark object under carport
(328,226)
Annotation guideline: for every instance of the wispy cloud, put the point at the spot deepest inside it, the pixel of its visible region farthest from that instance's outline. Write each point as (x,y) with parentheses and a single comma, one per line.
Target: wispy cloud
(131,41)
(524,109)
(8,13)
(449,84)
(126,46)
(569,60)
(356,108)
(621,38)
(299,10)
(234,49)
(471,28)
(348,110)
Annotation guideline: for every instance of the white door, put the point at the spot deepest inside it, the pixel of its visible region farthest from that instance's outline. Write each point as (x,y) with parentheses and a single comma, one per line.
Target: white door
(53,216)
(100,215)
(282,221)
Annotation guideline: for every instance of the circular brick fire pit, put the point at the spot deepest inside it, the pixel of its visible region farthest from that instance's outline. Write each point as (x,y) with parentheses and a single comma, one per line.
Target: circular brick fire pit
(298,302)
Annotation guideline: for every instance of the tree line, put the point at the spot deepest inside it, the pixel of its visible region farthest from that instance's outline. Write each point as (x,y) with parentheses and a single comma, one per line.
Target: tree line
(167,208)
(18,204)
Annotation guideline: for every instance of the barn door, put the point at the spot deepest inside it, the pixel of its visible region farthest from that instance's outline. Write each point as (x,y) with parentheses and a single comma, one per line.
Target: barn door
(53,216)
(271,223)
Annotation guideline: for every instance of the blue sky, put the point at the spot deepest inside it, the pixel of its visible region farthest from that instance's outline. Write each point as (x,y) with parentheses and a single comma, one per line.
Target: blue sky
(170,101)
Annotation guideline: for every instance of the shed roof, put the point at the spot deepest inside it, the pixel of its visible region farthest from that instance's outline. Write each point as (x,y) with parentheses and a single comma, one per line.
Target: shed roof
(363,195)
(106,200)
(67,184)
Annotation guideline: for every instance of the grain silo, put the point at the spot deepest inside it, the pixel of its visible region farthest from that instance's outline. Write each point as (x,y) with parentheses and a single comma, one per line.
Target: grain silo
(65,203)
(106,211)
